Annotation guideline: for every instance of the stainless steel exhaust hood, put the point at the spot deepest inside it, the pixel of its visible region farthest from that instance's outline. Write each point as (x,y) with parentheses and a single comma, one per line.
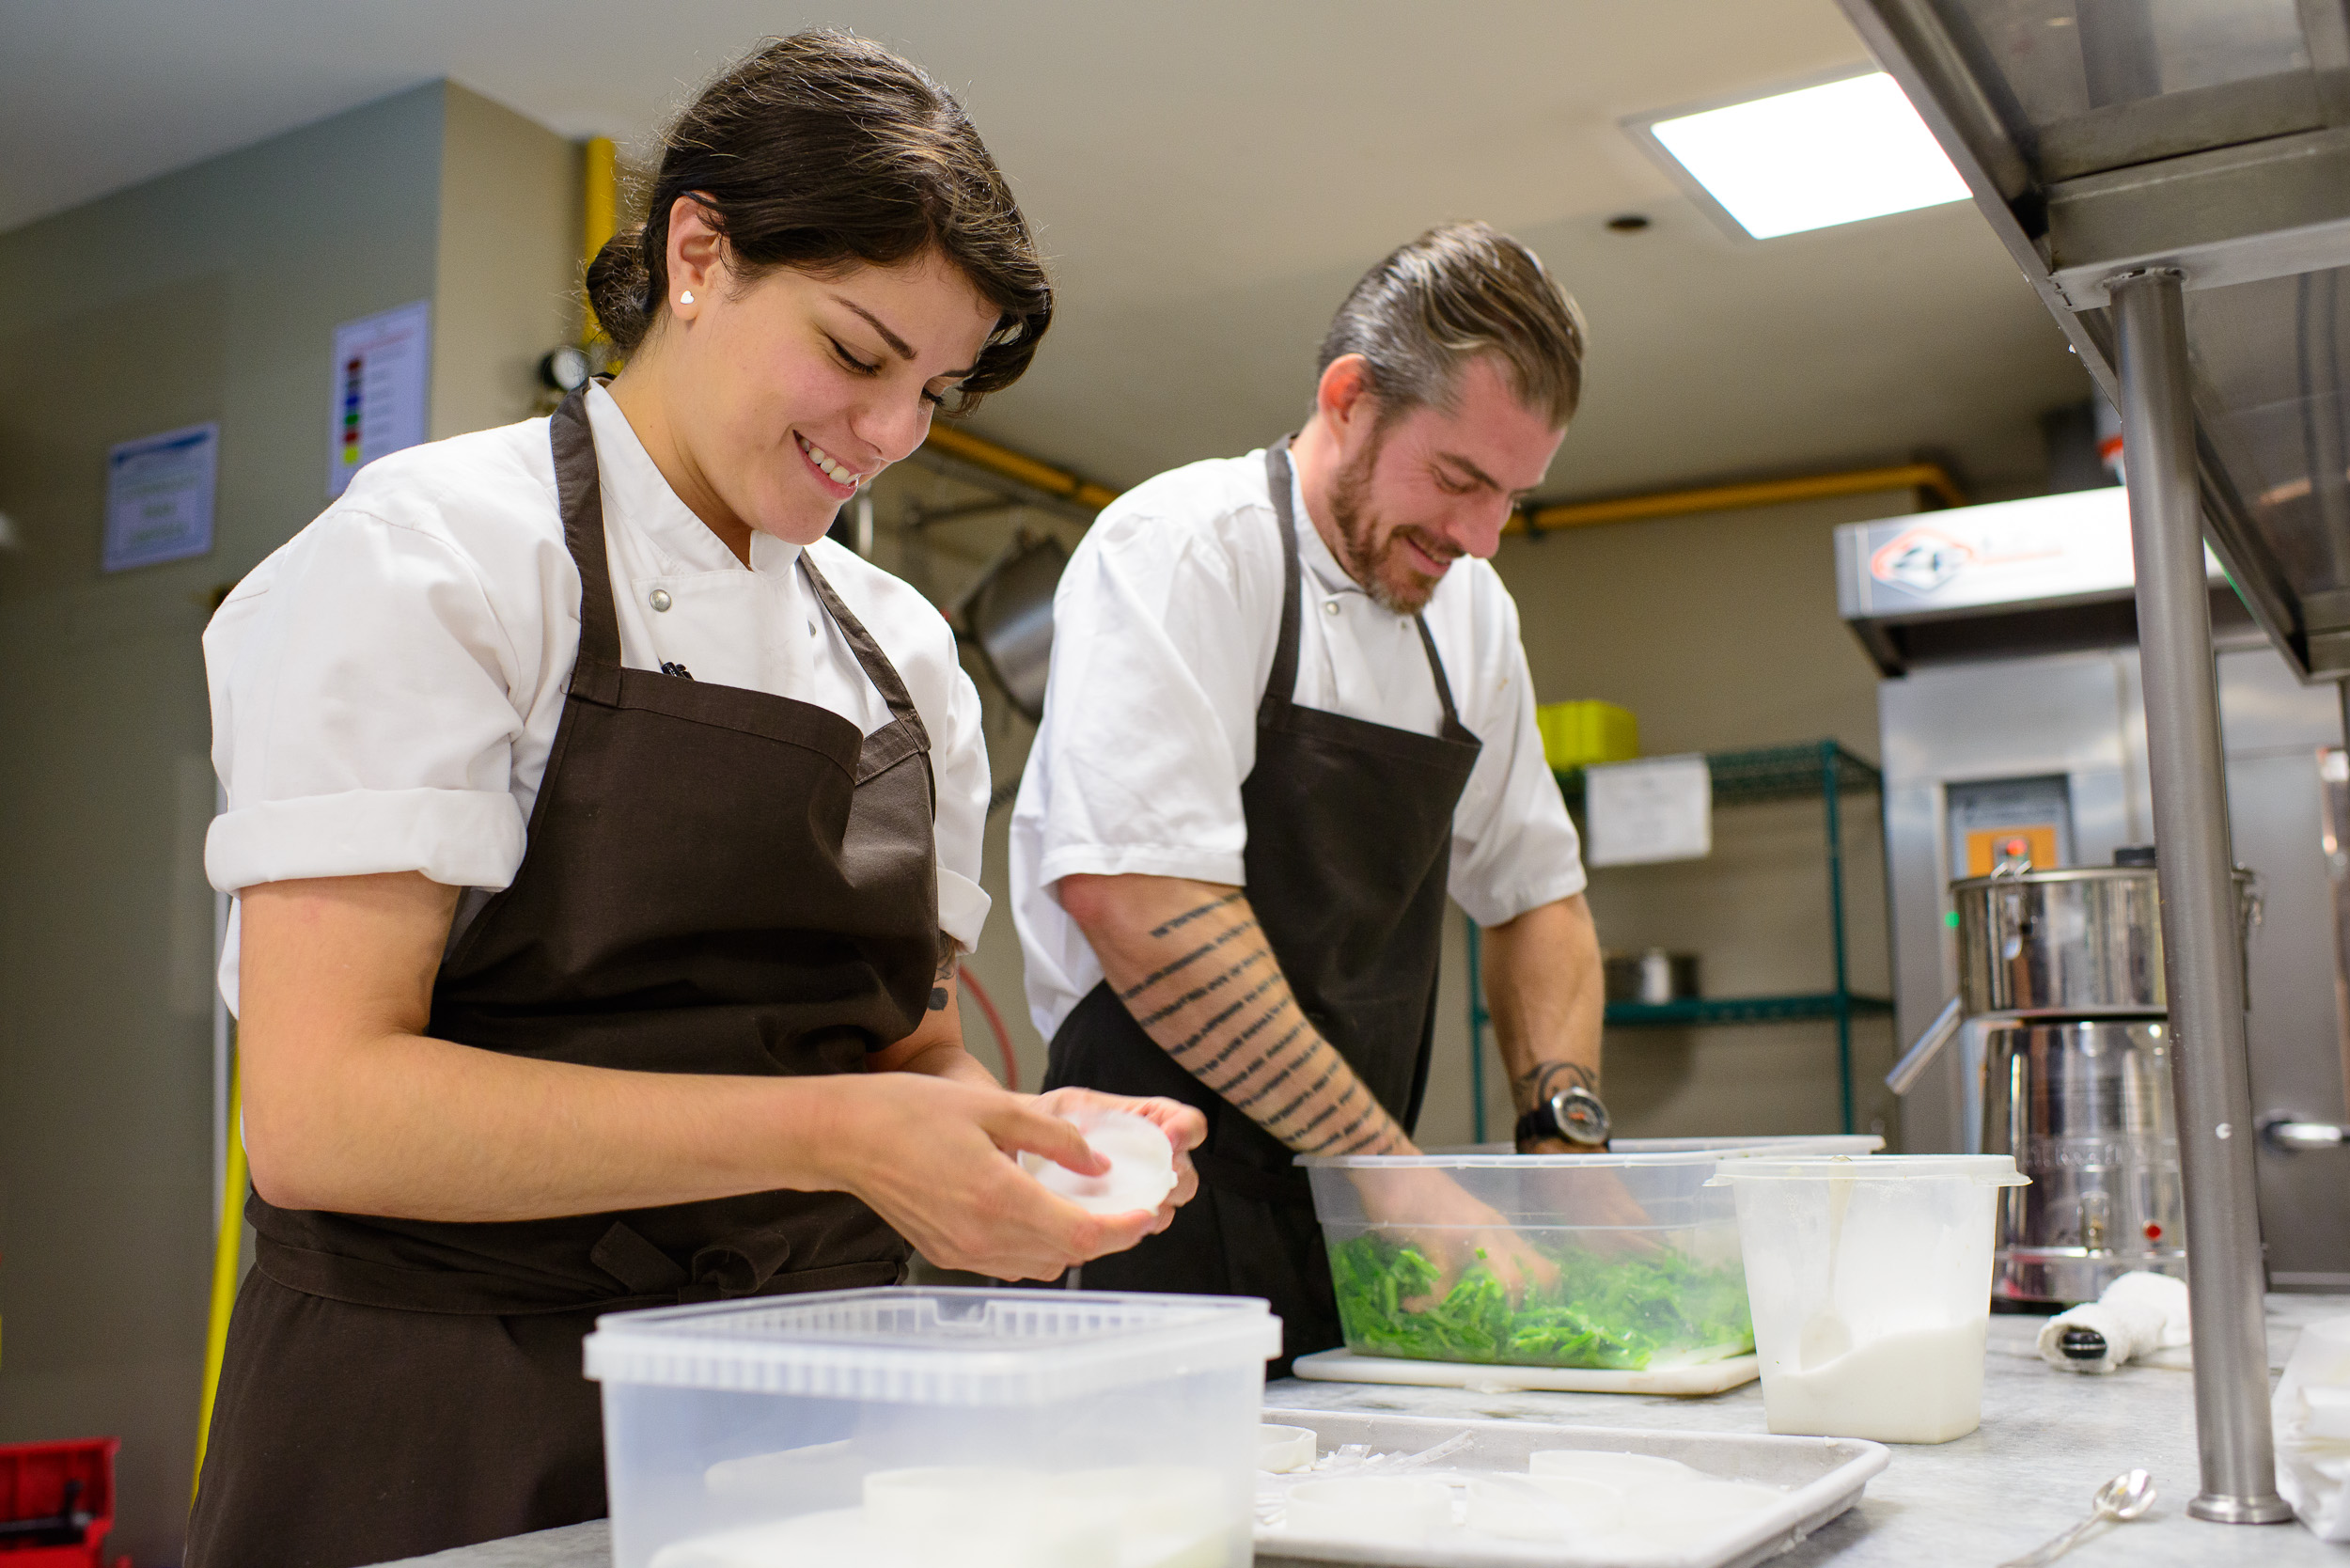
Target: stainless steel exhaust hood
(2210,137)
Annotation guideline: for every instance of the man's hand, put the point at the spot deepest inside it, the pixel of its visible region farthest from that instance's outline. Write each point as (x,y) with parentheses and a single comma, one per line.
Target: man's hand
(1424,1207)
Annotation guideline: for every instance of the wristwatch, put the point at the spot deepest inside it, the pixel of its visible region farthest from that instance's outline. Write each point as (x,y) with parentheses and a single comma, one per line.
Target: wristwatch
(1573,1114)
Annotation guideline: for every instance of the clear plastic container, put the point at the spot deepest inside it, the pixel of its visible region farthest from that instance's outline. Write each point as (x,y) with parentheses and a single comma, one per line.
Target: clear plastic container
(1624,1261)
(1870,1281)
(891,1428)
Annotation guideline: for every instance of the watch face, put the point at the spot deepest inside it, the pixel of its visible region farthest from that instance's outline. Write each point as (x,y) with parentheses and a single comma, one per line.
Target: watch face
(1580,1115)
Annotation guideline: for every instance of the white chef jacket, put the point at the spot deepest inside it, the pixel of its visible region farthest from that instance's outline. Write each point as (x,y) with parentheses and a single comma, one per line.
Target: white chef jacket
(386,685)
(1164,632)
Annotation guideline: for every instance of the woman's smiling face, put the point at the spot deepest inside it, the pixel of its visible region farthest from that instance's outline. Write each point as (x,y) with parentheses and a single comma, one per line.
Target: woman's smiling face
(785,395)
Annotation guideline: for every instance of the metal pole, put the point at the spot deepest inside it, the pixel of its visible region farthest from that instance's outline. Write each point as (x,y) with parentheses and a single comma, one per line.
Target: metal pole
(2203,946)
(1477,1032)
(1828,780)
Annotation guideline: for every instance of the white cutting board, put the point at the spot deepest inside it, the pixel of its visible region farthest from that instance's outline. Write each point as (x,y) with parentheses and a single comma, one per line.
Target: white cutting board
(1705,1377)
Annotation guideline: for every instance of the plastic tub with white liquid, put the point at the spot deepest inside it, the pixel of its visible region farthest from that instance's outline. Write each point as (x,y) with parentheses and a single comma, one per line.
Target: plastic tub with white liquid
(906,1428)
(1870,1282)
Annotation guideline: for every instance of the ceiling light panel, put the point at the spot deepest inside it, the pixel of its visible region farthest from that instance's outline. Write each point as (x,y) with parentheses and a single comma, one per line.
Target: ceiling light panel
(1812,158)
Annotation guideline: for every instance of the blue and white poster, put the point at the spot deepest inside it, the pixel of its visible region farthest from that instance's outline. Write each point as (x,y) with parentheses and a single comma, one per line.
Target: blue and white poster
(159,497)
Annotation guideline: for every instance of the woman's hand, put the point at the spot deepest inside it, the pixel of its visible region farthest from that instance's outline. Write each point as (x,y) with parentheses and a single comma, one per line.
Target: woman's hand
(937,1159)
(1184,1127)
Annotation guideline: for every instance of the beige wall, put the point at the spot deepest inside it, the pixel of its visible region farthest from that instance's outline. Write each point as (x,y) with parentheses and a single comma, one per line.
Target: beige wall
(212,293)
(506,265)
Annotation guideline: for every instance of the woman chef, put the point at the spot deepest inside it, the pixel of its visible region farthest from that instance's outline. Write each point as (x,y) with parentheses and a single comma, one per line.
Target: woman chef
(604,840)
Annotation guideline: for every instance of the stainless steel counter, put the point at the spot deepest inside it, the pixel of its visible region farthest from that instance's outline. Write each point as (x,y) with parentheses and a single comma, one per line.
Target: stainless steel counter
(2047,1439)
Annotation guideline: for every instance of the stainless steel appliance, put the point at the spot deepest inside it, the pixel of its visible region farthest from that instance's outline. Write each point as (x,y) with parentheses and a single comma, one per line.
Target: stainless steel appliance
(2172,180)
(2084,1105)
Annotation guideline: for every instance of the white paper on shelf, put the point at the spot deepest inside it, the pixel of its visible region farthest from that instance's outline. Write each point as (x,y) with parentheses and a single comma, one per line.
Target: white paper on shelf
(1658,808)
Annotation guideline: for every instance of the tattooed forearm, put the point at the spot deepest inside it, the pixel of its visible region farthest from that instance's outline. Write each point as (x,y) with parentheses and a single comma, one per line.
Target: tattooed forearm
(1546,1078)
(949,961)
(1196,971)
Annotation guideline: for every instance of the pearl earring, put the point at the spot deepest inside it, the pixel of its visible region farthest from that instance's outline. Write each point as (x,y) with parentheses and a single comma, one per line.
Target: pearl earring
(686,298)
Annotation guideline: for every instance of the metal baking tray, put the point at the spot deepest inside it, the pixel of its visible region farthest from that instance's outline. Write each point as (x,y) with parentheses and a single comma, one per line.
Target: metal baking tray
(1823,1475)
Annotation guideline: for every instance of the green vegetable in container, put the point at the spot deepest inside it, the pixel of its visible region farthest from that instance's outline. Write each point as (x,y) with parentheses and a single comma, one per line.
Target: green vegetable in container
(1615,1313)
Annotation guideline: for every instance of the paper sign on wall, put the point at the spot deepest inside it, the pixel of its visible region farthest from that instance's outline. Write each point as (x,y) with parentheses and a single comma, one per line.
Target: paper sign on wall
(159,497)
(1659,809)
(383,366)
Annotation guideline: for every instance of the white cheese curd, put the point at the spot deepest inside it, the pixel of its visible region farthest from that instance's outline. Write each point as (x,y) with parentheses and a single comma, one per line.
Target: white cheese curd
(1619,1470)
(1142,1166)
(1683,1512)
(1382,1507)
(1545,1508)
(1283,1448)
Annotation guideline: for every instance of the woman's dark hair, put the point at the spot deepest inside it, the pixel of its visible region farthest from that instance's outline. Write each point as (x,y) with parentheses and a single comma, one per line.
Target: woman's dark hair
(819,151)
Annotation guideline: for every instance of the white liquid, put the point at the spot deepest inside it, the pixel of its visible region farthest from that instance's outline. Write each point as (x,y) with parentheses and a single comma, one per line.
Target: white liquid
(1925,1386)
(1545,1508)
(980,1517)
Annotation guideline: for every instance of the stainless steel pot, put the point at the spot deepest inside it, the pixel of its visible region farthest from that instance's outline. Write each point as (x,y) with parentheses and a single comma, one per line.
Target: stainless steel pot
(2073,943)
(2085,1108)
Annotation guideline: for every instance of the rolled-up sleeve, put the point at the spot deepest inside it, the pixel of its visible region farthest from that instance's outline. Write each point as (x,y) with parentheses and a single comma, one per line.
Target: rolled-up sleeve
(960,770)
(363,715)
(1151,712)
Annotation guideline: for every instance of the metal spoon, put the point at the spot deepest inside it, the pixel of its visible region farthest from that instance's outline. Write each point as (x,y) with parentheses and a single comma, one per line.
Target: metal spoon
(2126,1496)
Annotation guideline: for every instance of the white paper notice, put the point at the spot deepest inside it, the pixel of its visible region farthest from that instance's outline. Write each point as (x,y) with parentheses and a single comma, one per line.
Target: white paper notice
(159,497)
(383,366)
(1659,809)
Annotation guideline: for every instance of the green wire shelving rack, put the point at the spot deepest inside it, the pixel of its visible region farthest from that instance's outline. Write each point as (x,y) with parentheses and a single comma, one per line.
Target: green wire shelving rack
(1822,769)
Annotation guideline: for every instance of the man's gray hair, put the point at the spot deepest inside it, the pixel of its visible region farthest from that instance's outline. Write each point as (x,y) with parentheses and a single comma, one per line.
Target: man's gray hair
(1455,293)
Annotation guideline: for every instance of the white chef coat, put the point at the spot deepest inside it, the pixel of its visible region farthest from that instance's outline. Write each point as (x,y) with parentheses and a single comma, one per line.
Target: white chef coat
(1164,632)
(386,685)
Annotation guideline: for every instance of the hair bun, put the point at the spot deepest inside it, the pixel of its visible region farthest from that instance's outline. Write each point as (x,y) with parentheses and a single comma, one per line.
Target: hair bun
(618,288)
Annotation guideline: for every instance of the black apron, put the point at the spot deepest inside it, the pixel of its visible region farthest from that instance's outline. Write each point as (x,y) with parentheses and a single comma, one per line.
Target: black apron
(716,881)
(1350,833)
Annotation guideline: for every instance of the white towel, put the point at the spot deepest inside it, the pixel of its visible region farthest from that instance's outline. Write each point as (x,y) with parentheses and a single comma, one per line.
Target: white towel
(2311,1413)
(2142,1317)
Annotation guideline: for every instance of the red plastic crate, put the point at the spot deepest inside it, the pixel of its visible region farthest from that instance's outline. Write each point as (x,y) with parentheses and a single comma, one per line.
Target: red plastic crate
(34,1480)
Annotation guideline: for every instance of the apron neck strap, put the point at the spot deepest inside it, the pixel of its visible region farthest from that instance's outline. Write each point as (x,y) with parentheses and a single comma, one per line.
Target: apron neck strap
(1281,685)
(579,490)
(870,656)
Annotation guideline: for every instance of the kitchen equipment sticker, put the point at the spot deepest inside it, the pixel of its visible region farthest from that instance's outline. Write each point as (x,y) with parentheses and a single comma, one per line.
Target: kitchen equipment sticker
(382,364)
(1660,808)
(159,497)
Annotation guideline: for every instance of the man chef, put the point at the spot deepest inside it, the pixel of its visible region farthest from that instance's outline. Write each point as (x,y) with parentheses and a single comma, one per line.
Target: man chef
(1286,718)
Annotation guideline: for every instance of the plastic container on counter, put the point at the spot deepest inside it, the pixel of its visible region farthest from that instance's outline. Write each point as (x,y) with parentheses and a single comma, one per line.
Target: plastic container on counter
(898,1427)
(1870,1281)
(1625,1261)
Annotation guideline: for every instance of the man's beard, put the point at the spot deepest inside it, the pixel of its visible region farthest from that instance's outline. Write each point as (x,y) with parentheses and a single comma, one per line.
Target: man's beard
(1350,495)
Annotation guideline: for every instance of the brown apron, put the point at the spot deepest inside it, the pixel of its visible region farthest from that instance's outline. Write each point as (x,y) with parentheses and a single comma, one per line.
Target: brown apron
(717,881)
(1350,835)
